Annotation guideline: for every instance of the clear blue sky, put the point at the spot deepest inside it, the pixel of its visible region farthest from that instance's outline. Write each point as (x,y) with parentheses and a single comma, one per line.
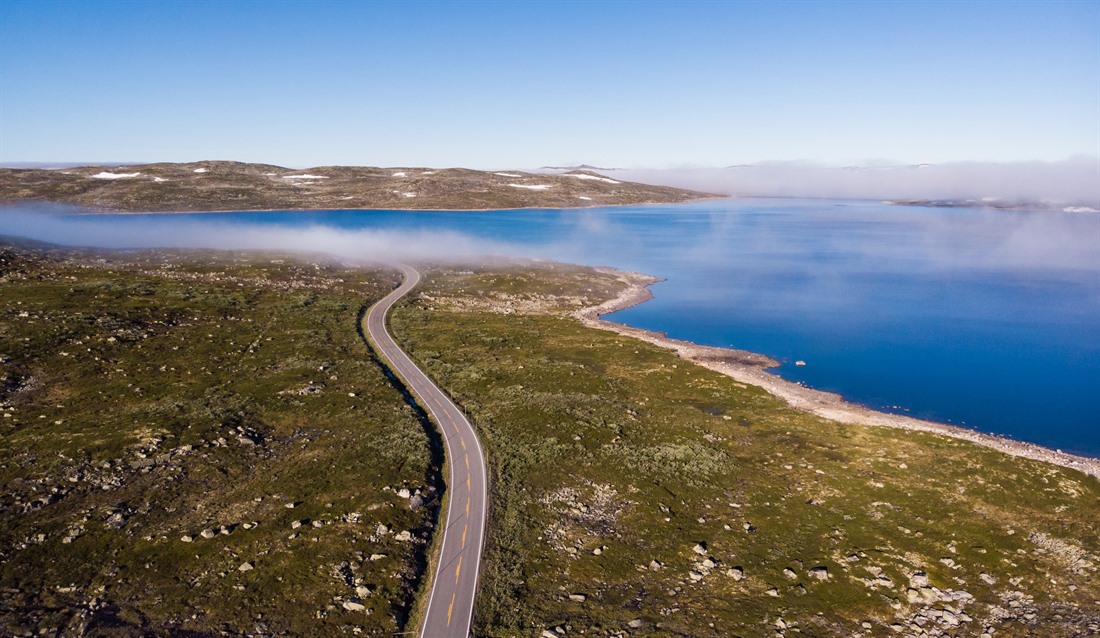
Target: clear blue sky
(522,84)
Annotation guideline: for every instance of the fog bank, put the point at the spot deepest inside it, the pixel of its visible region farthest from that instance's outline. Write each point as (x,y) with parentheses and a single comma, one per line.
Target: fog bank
(1075,180)
(58,225)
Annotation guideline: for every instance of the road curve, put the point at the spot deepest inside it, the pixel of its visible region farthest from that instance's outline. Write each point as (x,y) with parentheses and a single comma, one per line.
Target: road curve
(450,607)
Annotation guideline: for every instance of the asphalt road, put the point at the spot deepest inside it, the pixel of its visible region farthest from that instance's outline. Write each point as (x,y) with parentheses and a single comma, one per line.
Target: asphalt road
(454,585)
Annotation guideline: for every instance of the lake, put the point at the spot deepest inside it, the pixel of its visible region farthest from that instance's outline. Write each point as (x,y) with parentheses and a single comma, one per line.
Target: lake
(986,319)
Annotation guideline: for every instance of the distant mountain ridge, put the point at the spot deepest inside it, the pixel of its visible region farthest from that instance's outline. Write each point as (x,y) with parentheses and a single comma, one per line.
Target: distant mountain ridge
(228,185)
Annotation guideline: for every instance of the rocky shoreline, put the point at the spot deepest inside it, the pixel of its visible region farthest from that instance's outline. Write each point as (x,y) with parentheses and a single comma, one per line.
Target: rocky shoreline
(751,368)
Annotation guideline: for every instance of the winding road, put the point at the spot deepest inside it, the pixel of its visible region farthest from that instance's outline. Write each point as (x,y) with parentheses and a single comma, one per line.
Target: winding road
(450,607)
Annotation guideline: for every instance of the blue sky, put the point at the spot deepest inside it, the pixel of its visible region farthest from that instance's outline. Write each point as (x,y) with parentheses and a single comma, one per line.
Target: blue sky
(523,84)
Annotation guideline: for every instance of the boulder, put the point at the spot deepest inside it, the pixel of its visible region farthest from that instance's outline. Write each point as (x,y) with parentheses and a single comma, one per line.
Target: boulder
(820,572)
(353,604)
(578,598)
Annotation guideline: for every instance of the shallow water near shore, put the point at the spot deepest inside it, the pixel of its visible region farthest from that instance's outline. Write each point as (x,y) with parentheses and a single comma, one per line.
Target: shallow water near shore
(987,319)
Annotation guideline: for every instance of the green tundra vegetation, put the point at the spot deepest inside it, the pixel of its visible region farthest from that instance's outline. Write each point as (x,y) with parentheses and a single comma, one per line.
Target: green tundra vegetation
(636,493)
(200,443)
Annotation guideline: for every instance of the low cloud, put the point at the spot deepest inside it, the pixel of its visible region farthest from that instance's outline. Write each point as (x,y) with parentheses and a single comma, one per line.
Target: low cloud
(1075,180)
(60,225)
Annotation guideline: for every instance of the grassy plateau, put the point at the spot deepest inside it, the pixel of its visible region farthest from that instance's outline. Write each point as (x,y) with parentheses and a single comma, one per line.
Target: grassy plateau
(635,493)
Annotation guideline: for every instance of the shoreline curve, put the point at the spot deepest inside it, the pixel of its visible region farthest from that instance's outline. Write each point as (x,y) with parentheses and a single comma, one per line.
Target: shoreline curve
(751,368)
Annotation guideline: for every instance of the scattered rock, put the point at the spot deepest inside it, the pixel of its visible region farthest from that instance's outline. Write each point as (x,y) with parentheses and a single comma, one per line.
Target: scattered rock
(403,536)
(578,598)
(354,604)
(736,573)
(700,548)
(245,567)
(789,573)
(820,572)
(186,538)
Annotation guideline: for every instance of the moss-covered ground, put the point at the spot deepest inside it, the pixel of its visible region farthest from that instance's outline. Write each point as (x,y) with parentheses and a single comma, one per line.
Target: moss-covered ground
(201,444)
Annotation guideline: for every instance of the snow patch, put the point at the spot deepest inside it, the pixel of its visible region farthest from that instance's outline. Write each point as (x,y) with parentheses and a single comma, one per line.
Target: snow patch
(106,175)
(508,174)
(399,174)
(534,187)
(587,199)
(409,194)
(594,178)
(429,173)
(199,170)
(159,179)
(305,176)
(1079,209)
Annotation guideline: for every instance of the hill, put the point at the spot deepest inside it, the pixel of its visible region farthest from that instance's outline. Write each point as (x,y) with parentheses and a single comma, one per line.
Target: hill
(220,185)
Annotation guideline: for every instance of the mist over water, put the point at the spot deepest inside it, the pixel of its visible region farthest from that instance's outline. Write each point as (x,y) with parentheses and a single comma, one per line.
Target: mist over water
(985,318)
(1073,180)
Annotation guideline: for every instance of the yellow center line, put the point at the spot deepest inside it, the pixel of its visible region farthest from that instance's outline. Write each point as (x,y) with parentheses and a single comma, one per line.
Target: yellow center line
(464,527)
(467,461)
(463,442)
(467,506)
(458,568)
(467,481)
(450,608)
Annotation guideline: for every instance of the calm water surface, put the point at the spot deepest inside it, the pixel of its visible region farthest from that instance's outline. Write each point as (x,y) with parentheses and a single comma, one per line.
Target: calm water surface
(979,318)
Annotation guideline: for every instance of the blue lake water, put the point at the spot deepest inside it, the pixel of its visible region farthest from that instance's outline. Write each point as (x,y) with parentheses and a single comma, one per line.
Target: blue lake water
(987,319)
